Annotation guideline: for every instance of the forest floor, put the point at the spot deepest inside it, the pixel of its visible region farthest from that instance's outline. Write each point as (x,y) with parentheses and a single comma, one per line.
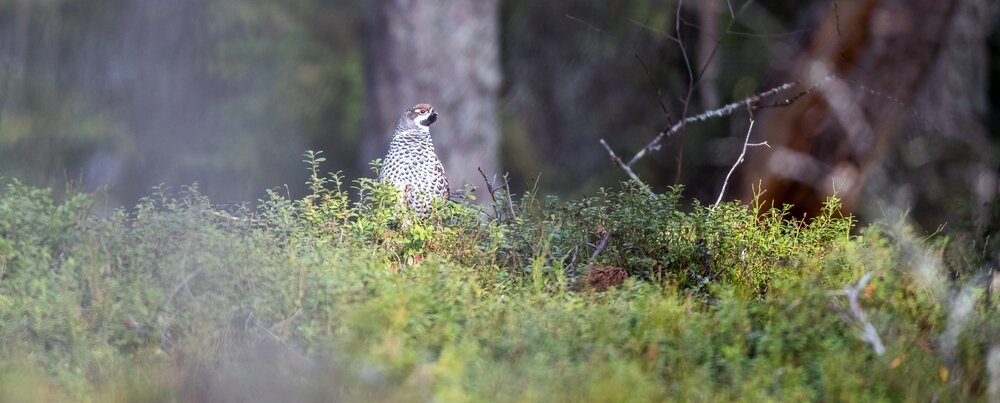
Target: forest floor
(622,296)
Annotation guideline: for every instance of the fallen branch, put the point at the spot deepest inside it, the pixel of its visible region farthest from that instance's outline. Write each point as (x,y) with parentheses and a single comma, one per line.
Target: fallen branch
(600,247)
(858,317)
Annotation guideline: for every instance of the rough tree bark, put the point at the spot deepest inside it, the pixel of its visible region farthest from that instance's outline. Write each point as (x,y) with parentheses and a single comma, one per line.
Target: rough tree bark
(897,64)
(443,52)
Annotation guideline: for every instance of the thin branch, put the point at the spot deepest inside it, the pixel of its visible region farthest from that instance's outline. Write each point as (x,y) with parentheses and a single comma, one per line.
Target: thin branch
(185,278)
(687,61)
(510,201)
(624,166)
(304,362)
(571,267)
(600,246)
(793,98)
(491,190)
(767,36)
(751,102)
(589,25)
(692,82)
(714,113)
(659,93)
(652,29)
(180,285)
(743,153)
(868,332)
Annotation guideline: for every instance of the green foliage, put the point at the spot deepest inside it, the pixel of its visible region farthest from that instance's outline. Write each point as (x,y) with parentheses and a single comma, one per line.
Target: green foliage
(322,298)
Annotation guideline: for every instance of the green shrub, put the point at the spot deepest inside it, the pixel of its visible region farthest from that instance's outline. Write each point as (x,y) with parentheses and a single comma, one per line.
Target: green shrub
(325,298)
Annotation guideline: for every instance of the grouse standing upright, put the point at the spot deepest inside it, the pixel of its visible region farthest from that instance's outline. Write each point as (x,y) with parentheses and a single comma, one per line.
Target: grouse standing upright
(411,165)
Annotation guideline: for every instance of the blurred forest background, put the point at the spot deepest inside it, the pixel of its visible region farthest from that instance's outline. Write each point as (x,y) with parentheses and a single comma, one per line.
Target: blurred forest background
(130,94)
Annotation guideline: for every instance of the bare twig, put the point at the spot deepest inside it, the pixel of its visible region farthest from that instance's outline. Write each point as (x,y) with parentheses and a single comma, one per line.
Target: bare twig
(571,267)
(684,55)
(510,200)
(624,166)
(692,82)
(185,278)
(752,103)
(743,153)
(858,317)
(491,190)
(726,110)
(659,93)
(790,100)
(600,246)
(301,360)
(589,25)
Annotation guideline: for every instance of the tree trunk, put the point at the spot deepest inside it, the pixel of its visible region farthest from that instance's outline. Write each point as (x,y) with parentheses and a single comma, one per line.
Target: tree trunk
(893,62)
(442,52)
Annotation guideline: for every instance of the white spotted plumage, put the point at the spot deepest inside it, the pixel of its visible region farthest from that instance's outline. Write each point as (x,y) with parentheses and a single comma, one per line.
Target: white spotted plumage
(412,165)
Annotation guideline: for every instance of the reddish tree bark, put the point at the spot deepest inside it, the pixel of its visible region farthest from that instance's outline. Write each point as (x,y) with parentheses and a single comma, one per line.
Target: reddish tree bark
(887,57)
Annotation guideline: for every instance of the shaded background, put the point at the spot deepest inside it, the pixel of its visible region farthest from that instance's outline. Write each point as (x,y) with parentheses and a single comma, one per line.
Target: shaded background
(229,93)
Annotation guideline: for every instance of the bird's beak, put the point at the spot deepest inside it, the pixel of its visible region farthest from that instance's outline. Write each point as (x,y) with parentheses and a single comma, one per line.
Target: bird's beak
(432,118)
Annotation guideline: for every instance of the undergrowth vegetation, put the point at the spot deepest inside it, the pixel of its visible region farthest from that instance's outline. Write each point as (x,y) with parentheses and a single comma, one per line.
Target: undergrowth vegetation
(621,296)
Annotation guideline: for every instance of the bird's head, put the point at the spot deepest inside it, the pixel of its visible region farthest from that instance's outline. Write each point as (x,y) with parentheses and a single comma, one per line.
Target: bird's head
(422,115)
